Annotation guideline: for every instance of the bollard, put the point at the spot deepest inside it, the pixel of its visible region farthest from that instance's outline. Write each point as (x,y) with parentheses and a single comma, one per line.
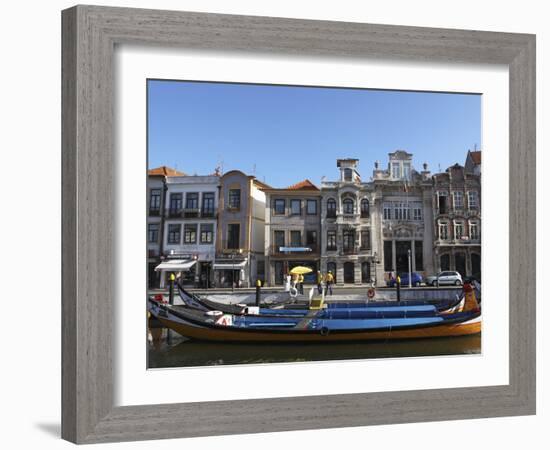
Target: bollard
(398,287)
(258,289)
(171,291)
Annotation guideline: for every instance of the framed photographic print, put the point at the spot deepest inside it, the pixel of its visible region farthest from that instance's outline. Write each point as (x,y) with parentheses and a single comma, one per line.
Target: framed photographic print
(289,213)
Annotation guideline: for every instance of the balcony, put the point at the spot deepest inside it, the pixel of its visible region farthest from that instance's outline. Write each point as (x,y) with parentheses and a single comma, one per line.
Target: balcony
(208,213)
(154,212)
(191,213)
(331,215)
(349,251)
(175,213)
(230,246)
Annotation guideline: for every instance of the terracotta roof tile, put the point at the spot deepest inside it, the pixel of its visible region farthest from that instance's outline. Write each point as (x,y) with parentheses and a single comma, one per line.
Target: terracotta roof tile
(476,157)
(165,172)
(303,185)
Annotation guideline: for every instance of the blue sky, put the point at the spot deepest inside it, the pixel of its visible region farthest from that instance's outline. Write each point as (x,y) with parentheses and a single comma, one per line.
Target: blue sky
(283,134)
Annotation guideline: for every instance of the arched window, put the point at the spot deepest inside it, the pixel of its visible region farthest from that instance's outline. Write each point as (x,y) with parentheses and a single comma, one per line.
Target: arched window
(365,208)
(348,206)
(331,207)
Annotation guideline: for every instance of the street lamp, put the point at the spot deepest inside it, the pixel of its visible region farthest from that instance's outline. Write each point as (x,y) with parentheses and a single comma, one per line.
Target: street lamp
(410,274)
(233,272)
(375,255)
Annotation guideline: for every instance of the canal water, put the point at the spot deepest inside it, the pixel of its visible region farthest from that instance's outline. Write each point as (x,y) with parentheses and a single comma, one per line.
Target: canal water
(176,351)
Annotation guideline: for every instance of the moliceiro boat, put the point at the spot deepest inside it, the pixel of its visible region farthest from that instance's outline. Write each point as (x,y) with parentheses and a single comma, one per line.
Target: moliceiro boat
(197,302)
(320,324)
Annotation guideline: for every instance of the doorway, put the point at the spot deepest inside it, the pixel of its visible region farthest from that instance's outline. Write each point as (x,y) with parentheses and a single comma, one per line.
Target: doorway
(349,272)
(365,272)
(460,263)
(402,249)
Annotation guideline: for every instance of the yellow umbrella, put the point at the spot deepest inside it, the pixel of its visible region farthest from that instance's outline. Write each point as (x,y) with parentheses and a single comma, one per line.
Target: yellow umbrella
(300,270)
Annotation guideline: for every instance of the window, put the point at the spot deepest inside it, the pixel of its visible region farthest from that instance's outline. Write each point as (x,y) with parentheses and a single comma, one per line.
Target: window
(349,240)
(174,233)
(387,211)
(401,211)
(365,239)
(176,203)
(295,207)
(331,207)
(279,239)
(395,172)
(311,207)
(348,175)
(279,206)
(207,233)
(365,208)
(295,238)
(407,170)
(417,213)
(234,199)
(459,230)
(190,234)
(311,237)
(153,233)
(442,203)
(208,204)
(331,240)
(458,200)
(348,206)
(233,235)
(154,200)
(472,200)
(474,231)
(192,200)
(443,230)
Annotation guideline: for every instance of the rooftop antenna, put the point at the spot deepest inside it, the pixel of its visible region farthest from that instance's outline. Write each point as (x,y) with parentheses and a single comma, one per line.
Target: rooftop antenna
(254,169)
(439,167)
(475,147)
(220,164)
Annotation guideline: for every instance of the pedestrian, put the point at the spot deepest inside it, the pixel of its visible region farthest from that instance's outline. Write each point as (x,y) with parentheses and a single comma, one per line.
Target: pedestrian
(301,283)
(319,282)
(330,282)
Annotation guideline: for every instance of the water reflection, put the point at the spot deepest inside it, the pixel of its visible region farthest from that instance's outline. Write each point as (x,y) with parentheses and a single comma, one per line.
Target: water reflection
(179,352)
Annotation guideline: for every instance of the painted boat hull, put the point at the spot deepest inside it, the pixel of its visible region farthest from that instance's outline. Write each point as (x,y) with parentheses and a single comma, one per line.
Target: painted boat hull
(191,326)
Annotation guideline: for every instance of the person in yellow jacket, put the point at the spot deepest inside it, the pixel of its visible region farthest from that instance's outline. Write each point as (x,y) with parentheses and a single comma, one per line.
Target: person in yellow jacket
(330,281)
(301,284)
(319,282)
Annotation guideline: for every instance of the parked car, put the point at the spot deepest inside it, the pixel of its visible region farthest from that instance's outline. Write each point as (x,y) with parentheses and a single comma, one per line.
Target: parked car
(416,279)
(448,277)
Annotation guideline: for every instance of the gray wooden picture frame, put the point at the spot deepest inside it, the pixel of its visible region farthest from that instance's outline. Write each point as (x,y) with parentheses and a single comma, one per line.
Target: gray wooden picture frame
(90,34)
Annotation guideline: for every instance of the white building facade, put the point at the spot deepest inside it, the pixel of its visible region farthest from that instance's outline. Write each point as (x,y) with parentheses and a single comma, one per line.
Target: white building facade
(189,236)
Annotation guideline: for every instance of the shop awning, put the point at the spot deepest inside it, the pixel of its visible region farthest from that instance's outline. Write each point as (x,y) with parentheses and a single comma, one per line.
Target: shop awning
(229,265)
(176,265)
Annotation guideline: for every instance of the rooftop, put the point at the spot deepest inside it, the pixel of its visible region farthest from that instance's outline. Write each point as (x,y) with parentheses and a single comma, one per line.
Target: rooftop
(165,171)
(476,156)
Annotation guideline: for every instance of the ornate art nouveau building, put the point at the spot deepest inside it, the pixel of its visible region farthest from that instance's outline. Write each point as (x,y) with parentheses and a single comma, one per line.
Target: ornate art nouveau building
(369,228)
